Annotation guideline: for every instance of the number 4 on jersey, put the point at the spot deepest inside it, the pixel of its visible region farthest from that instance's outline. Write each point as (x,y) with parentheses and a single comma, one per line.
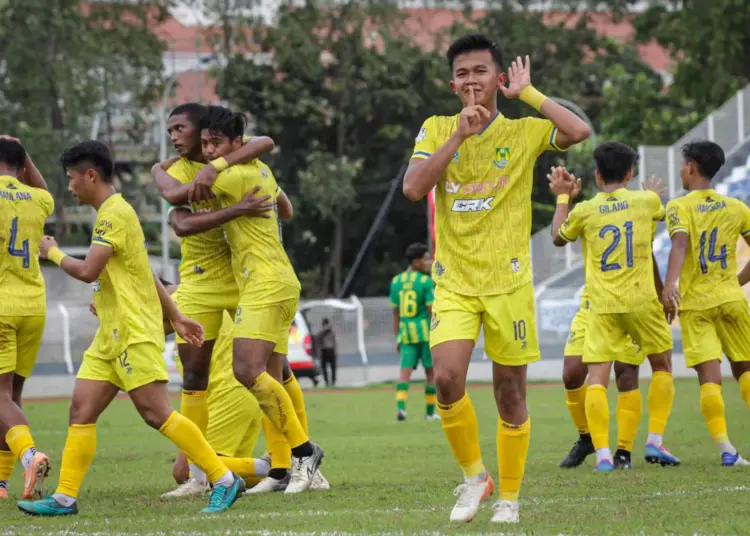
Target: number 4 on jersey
(24,251)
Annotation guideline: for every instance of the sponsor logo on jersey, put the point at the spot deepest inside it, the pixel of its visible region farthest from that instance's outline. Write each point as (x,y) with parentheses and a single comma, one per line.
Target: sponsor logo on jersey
(434,323)
(502,156)
(421,135)
(515,265)
(97,285)
(470,188)
(439,269)
(472,205)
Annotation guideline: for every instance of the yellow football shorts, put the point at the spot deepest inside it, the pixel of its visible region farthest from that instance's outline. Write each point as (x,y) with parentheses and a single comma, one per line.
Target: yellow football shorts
(607,335)
(20,338)
(234,422)
(206,308)
(140,364)
(706,334)
(267,315)
(509,322)
(575,345)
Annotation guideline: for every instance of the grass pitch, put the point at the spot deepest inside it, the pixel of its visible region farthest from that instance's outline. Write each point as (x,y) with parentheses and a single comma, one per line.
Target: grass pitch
(397,478)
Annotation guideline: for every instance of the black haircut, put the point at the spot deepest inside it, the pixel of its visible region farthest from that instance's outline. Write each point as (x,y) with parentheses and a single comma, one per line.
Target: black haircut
(90,154)
(224,121)
(472,42)
(415,251)
(614,160)
(707,156)
(12,154)
(193,110)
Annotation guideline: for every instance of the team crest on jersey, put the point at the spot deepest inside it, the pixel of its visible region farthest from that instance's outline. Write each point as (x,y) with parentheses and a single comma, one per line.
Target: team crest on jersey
(439,269)
(421,135)
(502,156)
(673,218)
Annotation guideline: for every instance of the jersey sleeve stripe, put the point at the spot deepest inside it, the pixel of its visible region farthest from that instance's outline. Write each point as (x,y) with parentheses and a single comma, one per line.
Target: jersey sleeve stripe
(100,240)
(552,140)
(676,230)
(421,154)
(746,232)
(562,235)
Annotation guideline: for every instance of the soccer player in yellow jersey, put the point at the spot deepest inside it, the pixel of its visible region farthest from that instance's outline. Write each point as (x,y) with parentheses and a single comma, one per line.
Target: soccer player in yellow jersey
(705,227)
(208,287)
(618,226)
(23,211)
(126,353)
(482,166)
(629,402)
(269,294)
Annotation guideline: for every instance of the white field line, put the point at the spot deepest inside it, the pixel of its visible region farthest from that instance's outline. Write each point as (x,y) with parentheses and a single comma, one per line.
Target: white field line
(24,530)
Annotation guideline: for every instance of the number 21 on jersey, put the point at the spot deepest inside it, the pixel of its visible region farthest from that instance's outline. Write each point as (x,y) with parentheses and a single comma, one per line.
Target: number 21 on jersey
(23,251)
(616,237)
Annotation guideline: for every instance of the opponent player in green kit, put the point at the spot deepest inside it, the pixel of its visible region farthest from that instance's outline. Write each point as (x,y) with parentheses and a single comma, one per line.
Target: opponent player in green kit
(412,294)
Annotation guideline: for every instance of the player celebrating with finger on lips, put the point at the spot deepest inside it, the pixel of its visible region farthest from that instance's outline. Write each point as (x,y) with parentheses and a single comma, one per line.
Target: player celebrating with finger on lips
(482,166)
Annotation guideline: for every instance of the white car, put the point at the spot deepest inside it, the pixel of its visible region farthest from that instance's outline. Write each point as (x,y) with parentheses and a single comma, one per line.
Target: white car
(300,354)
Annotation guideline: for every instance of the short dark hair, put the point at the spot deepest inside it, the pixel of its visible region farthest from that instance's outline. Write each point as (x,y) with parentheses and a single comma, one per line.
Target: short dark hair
(193,110)
(614,160)
(12,154)
(225,121)
(707,155)
(472,42)
(415,251)
(90,154)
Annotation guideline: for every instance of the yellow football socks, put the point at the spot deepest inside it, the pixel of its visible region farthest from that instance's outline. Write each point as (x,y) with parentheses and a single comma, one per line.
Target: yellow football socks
(575,399)
(277,406)
(188,438)
(597,415)
(712,407)
(629,409)
(277,445)
(294,390)
(80,448)
(660,399)
(512,448)
(243,467)
(194,406)
(462,430)
(19,440)
(744,382)
(7,461)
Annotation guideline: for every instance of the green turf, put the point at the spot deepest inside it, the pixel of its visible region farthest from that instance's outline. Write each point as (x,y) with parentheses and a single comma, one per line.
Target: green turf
(390,477)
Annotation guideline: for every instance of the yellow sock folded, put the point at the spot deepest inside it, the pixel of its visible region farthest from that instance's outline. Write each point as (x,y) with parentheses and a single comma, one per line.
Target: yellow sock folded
(188,438)
(7,461)
(80,448)
(278,407)
(512,448)
(277,445)
(575,399)
(294,390)
(660,400)
(744,382)
(462,430)
(19,440)
(629,410)
(597,415)
(712,407)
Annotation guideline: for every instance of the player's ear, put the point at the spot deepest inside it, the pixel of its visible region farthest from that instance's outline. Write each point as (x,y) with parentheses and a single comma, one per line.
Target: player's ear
(453,86)
(501,79)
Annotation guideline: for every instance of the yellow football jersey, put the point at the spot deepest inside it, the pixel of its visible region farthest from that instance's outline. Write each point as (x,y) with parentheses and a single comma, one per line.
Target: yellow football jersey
(713,223)
(23,211)
(125,294)
(618,230)
(206,257)
(256,243)
(483,203)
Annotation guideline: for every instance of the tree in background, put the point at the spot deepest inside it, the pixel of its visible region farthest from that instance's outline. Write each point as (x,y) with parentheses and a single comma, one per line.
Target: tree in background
(63,62)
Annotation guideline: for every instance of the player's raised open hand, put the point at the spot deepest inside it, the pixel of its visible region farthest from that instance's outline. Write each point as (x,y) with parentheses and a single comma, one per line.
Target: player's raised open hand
(561,182)
(45,245)
(519,76)
(256,206)
(473,118)
(655,185)
(190,330)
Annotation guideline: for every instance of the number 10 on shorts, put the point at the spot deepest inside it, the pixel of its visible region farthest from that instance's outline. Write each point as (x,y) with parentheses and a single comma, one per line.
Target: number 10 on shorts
(519,332)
